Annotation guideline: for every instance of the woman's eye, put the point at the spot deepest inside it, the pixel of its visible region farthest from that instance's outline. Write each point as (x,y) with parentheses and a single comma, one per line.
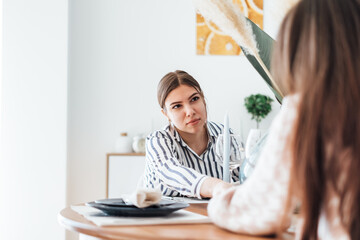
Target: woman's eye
(194,99)
(176,106)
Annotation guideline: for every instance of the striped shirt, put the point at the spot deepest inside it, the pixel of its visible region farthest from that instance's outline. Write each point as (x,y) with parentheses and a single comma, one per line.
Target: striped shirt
(174,167)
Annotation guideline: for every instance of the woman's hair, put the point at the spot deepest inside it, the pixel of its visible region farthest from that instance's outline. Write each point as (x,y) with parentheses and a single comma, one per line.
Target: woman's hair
(171,81)
(317,58)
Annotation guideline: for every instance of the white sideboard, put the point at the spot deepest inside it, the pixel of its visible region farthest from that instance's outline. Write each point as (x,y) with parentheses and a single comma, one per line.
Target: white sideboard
(123,171)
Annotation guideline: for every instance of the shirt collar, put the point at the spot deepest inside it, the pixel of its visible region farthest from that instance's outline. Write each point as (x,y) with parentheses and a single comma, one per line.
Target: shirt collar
(178,138)
(211,130)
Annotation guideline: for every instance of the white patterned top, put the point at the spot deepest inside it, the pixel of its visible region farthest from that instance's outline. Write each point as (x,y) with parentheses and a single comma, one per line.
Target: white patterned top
(256,207)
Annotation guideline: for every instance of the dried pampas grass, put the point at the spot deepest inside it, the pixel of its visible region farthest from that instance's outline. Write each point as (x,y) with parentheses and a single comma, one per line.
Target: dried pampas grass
(230,20)
(233,23)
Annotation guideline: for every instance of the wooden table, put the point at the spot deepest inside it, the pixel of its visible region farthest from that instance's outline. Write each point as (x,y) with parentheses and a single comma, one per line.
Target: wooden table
(75,222)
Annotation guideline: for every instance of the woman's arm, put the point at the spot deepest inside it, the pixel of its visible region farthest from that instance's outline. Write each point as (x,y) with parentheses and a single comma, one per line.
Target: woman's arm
(161,158)
(256,207)
(209,184)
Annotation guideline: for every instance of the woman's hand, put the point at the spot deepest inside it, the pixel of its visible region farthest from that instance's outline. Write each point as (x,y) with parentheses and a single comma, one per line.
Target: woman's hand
(212,186)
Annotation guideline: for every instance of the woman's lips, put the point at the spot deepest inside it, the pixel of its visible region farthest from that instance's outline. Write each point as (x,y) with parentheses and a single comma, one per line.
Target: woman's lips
(193,122)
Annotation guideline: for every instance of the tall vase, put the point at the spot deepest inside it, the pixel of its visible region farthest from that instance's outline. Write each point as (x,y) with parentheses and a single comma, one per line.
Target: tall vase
(253,137)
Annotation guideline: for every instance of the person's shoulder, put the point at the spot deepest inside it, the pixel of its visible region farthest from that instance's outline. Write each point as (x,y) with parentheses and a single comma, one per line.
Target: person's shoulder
(215,128)
(288,111)
(163,133)
(291,100)
(215,125)
(290,103)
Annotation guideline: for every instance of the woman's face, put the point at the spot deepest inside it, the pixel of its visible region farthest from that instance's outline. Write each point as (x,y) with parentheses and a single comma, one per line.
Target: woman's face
(186,109)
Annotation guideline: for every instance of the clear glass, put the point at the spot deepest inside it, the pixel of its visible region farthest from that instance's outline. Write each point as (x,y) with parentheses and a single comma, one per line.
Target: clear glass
(237,151)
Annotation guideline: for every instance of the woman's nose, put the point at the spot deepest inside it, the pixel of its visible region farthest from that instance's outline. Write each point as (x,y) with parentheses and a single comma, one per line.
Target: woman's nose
(190,111)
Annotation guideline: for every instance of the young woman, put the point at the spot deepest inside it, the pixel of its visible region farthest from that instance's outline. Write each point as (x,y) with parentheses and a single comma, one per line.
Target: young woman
(180,159)
(312,155)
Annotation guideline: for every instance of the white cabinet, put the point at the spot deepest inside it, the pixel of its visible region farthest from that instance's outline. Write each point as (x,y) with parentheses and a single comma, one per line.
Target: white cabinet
(123,173)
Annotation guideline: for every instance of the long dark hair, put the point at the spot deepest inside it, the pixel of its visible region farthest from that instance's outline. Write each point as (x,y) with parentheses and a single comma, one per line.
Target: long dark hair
(317,58)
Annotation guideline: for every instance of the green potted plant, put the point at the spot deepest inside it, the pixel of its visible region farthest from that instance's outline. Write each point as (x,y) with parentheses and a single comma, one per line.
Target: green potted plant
(259,106)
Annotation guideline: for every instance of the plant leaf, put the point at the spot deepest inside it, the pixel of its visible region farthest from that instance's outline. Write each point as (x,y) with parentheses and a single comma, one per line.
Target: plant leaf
(265,45)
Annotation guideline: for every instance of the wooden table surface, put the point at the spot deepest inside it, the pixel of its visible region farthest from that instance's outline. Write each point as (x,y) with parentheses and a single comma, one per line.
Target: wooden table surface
(73,221)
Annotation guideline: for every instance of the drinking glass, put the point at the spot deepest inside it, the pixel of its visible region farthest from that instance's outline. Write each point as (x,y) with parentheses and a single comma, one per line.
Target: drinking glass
(237,151)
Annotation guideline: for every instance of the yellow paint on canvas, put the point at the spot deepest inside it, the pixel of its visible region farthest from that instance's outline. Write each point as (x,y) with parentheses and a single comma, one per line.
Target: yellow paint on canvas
(210,39)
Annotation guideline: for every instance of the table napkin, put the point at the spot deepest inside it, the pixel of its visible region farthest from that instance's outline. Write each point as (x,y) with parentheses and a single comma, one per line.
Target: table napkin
(143,197)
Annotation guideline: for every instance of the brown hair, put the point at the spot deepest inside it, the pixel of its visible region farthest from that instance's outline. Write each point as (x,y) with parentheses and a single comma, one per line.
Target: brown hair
(317,57)
(171,81)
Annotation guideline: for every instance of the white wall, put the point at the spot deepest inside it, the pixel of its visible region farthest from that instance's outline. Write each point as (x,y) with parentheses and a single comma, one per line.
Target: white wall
(119,50)
(33,119)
